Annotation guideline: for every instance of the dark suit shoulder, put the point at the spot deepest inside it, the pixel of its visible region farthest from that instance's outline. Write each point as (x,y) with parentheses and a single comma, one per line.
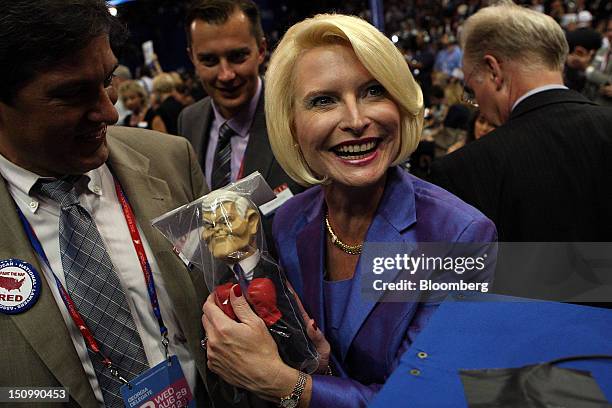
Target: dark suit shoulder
(195,109)
(545,162)
(434,197)
(462,171)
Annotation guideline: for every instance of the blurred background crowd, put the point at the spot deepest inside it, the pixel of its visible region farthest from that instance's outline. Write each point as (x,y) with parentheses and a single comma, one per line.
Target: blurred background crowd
(427,32)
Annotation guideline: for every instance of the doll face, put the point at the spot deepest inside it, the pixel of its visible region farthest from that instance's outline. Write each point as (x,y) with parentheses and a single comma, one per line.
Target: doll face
(230,236)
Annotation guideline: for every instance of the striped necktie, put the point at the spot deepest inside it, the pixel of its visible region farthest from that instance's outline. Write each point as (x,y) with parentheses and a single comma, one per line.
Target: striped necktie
(94,287)
(222,166)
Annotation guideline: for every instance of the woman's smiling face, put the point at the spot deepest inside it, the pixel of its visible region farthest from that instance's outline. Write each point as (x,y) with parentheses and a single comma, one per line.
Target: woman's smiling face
(346,124)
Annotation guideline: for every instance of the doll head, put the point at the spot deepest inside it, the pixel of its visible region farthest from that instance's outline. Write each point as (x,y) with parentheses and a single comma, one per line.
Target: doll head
(230,224)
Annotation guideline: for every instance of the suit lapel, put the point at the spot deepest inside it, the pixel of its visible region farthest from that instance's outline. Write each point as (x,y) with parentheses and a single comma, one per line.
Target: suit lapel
(310,241)
(149,196)
(258,154)
(43,326)
(396,213)
(201,130)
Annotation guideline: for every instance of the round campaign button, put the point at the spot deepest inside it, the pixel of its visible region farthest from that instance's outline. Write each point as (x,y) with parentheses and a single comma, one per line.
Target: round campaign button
(19,286)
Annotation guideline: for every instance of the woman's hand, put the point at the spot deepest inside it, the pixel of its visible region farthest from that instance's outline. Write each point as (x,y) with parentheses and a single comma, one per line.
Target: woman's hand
(244,353)
(322,345)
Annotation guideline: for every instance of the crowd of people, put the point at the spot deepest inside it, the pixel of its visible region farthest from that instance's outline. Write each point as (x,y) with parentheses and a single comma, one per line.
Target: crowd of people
(427,34)
(461,130)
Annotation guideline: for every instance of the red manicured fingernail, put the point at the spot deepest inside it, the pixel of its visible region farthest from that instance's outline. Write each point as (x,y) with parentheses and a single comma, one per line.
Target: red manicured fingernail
(237,290)
(314,325)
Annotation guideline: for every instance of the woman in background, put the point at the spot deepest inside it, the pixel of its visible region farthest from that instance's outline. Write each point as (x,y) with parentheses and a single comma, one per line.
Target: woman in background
(135,98)
(478,126)
(166,115)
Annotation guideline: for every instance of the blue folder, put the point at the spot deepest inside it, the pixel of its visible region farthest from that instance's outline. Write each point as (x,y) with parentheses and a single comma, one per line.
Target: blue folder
(479,331)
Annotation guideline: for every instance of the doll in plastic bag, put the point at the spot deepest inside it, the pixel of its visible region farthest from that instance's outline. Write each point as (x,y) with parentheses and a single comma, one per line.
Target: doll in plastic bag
(232,232)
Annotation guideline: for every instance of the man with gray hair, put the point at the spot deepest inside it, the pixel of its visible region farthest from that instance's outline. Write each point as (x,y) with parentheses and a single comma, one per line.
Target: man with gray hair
(543,174)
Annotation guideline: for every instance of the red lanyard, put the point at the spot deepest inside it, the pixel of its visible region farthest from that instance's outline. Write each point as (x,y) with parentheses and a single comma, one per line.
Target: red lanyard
(241,170)
(142,258)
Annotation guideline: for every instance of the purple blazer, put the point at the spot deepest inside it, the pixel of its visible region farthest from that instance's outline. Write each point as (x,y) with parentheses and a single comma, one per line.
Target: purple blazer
(411,210)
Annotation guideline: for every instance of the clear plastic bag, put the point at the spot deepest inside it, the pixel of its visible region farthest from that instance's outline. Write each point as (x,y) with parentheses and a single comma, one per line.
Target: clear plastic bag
(221,234)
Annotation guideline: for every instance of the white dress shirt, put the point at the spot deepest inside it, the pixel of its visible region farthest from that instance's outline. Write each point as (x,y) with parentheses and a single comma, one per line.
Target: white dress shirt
(248,265)
(97,195)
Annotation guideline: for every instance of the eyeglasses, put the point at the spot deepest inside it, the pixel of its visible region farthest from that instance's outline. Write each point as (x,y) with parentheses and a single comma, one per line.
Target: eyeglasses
(468,96)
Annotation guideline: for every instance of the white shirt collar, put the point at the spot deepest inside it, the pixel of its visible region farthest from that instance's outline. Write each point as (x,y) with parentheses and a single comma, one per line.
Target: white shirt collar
(248,264)
(23,180)
(537,90)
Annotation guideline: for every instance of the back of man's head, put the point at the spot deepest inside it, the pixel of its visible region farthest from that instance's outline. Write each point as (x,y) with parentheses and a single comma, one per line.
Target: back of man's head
(37,34)
(217,12)
(515,34)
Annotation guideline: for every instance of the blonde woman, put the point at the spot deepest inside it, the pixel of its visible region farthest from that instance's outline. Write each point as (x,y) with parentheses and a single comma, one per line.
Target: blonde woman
(478,126)
(167,113)
(343,111)
(135,98)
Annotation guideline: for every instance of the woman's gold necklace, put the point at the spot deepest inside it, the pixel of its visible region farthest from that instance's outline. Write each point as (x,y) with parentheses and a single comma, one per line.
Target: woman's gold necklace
(349,249)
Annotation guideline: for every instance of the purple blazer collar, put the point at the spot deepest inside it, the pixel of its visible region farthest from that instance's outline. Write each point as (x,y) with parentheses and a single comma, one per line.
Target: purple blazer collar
(395,214)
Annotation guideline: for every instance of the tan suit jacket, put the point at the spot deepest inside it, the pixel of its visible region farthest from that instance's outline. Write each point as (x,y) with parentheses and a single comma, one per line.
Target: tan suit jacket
(158,173)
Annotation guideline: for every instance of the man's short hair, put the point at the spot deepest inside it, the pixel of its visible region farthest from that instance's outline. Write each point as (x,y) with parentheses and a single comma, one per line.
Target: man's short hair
(377,54)
(37,34)
(517,34)
(217,12)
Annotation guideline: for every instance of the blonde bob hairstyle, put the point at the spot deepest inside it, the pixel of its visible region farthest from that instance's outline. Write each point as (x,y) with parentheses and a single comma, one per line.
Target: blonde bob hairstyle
(133,86)
(377,54)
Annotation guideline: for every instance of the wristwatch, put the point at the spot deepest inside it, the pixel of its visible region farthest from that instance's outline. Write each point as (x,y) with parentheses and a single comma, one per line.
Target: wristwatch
(292,400)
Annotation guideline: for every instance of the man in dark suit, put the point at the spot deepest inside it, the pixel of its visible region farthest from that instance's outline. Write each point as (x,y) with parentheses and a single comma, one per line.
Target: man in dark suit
(227,46)
(544,173)
(228,128)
